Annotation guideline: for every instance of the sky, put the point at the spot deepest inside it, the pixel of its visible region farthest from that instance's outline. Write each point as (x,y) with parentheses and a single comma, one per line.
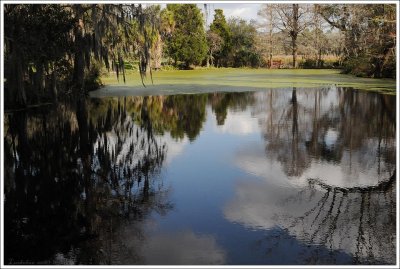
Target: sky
(244,11)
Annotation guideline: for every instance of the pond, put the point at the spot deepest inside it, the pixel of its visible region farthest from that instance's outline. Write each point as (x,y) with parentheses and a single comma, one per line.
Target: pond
(282,176)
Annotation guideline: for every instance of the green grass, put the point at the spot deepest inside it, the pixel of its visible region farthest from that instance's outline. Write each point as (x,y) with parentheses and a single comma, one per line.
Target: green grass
(230,79)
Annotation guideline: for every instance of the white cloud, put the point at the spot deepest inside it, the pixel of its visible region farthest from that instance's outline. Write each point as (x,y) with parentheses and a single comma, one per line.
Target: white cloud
(141,243)
(174,147)
(240,12)
(245,11)
(182,248)
(317,217)
(353,171)
(239,123)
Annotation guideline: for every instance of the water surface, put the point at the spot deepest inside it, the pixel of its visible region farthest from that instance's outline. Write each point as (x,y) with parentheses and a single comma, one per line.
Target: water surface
(284,176)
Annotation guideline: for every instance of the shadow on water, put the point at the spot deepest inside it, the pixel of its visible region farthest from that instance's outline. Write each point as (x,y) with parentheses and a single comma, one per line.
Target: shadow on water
(83,179)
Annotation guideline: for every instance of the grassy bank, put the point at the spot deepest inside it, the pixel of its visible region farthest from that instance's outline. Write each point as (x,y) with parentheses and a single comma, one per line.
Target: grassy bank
(229,79)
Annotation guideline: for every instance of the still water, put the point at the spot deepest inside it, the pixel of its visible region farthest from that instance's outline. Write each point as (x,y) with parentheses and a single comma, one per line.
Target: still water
(284,176)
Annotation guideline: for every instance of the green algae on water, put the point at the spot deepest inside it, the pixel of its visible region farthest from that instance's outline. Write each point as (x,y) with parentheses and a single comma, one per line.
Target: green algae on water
(231,79)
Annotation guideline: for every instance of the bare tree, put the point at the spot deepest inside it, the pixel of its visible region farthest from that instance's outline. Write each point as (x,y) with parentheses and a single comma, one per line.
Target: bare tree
(268,13)
(317,26)
(292,20)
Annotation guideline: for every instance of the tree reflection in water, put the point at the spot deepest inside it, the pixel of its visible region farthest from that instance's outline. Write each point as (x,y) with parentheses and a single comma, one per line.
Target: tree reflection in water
(74,175)
(336,149)
(78,176)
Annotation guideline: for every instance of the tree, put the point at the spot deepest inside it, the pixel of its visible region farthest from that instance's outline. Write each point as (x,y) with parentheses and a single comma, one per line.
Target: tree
(292,21)
(243,51)
(147,39)
(319,39)
(36,41)
(188,42)
(103,33)
(215,43)
(44,42)
(267,12)
(370,36)
(220,27)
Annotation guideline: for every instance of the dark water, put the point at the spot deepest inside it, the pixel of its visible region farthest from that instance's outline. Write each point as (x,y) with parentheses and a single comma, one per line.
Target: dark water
(296,176)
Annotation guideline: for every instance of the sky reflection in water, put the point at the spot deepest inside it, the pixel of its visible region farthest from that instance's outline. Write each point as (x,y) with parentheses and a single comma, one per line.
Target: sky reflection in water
(302,176)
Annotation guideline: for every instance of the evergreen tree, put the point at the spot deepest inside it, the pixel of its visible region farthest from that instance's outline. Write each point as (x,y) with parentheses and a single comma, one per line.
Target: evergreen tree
(221,28)
(188,42)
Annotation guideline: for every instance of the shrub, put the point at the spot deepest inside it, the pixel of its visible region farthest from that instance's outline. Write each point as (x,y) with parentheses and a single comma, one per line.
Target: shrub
(308,63)
(360,67)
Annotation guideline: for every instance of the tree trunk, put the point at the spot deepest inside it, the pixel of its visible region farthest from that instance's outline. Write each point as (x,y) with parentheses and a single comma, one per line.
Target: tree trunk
(40,80)
(54,92)
(79,66)
(79,61)
(148,66)
(382,62)
(17,83)
(270,37)
(157,53)
(294,33)
(320,58)
(294,50)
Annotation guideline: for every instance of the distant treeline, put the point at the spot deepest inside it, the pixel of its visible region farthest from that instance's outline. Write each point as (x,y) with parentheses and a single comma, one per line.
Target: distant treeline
(359,38)
(53,49)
